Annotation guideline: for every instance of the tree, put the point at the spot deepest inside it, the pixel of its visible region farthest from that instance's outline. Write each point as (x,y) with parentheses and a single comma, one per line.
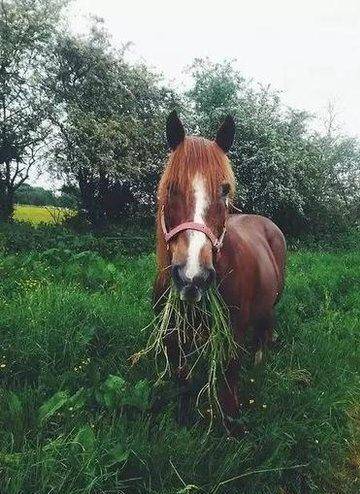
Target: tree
(37,196)
(109,118)
(26,29)
(305,181)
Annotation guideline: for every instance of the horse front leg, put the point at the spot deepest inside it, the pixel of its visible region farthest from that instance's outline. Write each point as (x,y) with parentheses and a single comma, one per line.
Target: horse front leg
(184,389)
(229,396)
(229,389)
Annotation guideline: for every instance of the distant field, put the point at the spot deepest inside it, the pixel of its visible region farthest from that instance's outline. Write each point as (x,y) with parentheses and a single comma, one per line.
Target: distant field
(38,214)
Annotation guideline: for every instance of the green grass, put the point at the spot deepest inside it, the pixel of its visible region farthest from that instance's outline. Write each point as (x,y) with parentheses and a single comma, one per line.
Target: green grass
(39,214)
(209,317)
(75,417)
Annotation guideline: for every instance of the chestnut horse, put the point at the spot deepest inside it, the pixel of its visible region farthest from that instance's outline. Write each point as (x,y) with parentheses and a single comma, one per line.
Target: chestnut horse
(199,243)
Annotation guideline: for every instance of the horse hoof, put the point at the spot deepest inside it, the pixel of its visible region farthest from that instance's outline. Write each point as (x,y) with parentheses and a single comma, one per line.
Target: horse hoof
(258,357)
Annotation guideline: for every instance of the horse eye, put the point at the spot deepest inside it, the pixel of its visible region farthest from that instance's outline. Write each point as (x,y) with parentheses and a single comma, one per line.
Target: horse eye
(225,189)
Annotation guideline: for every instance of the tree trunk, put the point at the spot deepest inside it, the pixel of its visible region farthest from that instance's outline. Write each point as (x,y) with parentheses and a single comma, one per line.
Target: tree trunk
(91,199)
(6,208)
(6,200)
(103,190)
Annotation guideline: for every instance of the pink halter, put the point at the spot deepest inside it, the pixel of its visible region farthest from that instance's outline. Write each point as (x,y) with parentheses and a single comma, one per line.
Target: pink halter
(191,225)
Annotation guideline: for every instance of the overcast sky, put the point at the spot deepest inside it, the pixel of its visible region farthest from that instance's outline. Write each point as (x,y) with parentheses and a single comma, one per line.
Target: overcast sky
(309,49)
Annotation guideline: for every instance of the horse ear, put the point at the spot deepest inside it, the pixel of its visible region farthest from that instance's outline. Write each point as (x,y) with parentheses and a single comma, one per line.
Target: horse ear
(226,134)
(175,132)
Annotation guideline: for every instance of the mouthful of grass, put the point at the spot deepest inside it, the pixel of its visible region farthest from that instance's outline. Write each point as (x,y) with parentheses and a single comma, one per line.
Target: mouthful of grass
(203,337)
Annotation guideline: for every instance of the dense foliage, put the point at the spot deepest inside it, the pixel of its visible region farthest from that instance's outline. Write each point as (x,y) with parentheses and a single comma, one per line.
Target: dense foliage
(106,118)
(38,196)
(26,36)
(109,127)
(22,237)
(305,181)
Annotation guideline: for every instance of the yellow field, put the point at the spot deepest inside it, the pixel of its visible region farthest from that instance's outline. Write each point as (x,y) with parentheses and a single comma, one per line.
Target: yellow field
(39,214)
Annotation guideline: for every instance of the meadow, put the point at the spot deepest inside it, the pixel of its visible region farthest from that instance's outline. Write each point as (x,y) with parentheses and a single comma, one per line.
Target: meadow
(76,417)
(39,214)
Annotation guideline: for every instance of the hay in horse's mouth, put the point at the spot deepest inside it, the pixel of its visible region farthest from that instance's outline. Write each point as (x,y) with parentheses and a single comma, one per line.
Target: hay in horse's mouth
(202,332)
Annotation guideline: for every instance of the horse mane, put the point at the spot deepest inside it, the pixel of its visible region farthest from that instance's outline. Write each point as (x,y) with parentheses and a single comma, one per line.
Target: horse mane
(195,155)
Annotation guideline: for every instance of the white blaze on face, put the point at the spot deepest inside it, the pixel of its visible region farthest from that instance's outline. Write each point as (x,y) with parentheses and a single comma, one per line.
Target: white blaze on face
(197,239)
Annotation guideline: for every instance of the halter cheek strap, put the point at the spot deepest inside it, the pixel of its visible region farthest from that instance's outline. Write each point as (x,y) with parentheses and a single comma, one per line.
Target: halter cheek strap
(191,225)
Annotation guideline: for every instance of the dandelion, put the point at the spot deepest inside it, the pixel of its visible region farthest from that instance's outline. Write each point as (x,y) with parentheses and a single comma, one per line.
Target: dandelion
(251,402)
(3,365)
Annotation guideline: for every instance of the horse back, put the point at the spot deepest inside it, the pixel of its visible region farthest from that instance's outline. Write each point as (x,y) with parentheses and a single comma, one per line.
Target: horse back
(251,264)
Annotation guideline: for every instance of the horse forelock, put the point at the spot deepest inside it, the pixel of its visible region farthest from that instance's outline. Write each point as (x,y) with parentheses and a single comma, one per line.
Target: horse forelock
(196,156)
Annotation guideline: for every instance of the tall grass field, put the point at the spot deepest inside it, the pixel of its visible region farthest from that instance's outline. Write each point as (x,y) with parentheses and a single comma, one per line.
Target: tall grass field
(39,214)
(76,418)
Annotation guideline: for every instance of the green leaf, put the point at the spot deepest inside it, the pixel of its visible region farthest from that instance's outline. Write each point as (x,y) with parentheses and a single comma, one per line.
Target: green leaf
(86,439)
(112,392)
(120,454)
(14,403)
(115,383)
(52,405)
(111,268)
(188,488)
(139,396)
(77,400)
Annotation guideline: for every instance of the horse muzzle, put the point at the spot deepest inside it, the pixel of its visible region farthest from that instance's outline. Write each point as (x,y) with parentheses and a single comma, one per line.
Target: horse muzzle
(191,290)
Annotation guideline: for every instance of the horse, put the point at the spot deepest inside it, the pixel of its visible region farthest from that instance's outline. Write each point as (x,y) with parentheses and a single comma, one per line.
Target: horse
(199,242)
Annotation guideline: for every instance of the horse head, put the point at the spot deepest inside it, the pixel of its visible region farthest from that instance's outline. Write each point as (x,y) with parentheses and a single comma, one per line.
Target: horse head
(193,199)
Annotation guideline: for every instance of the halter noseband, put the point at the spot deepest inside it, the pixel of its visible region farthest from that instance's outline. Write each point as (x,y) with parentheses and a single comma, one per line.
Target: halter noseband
(191,225)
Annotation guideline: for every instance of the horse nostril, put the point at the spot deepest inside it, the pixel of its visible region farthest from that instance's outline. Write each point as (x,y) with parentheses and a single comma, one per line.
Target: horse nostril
(205,279)
(201,281)
(178,275)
